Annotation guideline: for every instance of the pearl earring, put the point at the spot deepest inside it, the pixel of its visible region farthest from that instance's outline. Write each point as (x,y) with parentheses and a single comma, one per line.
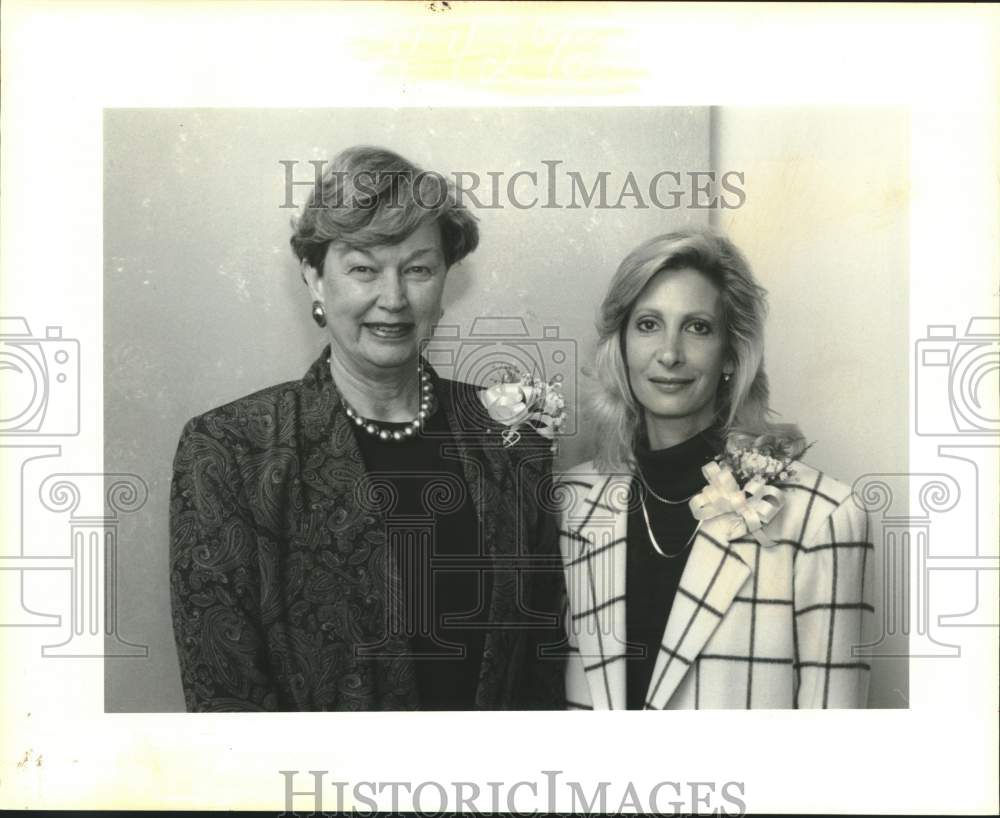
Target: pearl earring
(318,313)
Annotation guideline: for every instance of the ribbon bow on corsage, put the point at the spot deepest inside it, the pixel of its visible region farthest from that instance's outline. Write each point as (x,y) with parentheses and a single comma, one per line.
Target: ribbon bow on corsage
(522,400)
(509,404)
(751,507)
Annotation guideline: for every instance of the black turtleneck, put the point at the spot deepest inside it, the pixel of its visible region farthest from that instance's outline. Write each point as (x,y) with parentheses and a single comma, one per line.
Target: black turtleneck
(651,580)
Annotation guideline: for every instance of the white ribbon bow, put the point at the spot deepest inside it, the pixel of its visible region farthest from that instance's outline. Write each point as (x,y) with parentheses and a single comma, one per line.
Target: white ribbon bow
(509,403)
(723,496)
(513,404)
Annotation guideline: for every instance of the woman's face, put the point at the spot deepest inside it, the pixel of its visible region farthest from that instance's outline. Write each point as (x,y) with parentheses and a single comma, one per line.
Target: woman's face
(675,345)
(382,300)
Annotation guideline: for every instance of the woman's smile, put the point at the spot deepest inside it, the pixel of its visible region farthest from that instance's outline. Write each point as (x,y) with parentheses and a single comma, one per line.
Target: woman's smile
(671,385)
(390,331)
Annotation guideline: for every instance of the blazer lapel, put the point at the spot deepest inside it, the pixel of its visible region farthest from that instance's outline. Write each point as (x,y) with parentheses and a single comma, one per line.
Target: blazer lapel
(336,497)
(489,478)
(596,588)
(712,576)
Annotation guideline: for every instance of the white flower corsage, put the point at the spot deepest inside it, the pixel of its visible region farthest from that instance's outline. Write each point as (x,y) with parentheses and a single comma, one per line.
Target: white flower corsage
(517,400)
(754,464)
(739,487)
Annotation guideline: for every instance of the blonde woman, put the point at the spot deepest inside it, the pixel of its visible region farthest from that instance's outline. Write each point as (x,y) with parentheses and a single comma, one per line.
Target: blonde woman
(706,565)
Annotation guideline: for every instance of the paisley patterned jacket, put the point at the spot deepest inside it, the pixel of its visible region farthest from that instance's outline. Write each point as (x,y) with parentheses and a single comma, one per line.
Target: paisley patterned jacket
(282,575)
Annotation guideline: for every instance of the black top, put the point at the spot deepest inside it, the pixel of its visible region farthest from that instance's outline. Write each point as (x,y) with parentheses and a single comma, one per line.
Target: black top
(651,580)
(441,571)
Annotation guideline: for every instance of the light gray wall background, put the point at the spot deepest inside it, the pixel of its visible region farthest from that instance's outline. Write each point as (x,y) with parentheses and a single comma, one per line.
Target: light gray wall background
(825,226)
(203,300)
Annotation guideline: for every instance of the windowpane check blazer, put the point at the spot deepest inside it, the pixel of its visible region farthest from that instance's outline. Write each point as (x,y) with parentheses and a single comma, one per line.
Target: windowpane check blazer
(284,588)
(750,627)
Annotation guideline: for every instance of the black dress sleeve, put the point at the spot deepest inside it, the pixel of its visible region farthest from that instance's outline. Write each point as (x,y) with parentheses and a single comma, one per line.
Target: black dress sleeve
(215,586)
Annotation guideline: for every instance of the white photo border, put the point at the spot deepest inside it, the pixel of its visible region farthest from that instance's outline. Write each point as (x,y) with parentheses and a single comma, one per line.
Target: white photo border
(63,63)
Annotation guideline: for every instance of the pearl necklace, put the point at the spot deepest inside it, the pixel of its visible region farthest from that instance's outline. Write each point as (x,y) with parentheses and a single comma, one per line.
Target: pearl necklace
(398,435)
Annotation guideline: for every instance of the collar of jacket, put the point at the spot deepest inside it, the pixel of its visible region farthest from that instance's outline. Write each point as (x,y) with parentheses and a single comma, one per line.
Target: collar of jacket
(335,482)
(712,577)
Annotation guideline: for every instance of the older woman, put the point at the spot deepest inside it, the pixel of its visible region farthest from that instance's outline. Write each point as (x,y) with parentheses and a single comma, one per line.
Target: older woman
(361,539)
(707,567)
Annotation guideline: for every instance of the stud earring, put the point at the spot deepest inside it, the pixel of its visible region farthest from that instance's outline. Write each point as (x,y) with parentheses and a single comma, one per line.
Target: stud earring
(319,314)
(726,376)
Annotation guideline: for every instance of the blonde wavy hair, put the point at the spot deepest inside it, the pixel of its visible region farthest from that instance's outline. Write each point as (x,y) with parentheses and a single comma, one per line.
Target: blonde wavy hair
(742,403)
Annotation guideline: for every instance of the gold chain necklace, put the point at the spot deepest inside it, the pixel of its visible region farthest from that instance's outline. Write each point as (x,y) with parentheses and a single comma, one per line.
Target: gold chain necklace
(649,488)
(656,545)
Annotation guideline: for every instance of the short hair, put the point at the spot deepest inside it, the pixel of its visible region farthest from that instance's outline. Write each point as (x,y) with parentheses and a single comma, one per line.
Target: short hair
(371,196)
(742,402)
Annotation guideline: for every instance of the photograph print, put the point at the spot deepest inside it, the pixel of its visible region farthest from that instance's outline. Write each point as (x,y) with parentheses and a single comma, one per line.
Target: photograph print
(506,408)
